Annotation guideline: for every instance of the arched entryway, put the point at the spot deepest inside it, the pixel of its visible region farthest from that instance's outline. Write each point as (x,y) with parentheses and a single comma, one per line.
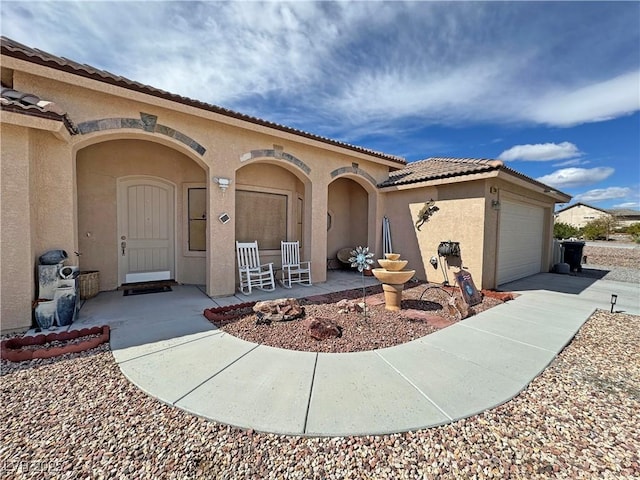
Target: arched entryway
(272,204)
(125,185)
(348,213)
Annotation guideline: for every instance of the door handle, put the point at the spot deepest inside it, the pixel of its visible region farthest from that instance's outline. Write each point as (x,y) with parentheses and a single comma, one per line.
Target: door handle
(123,246)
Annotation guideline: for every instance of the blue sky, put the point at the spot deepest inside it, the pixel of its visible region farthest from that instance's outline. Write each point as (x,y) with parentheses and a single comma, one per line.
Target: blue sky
(553,89)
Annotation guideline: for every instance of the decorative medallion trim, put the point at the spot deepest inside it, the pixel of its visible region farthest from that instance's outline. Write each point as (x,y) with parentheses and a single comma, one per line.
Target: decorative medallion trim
(273,153)
(355,170)
(146,122)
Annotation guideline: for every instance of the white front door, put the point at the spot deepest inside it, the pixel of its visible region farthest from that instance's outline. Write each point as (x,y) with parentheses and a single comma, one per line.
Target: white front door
(145,230)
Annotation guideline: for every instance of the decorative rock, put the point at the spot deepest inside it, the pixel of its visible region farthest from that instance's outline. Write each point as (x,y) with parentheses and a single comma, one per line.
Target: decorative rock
(462,307)
(279,310)
(322,328)
(429,318)
(350,306)
(261,319)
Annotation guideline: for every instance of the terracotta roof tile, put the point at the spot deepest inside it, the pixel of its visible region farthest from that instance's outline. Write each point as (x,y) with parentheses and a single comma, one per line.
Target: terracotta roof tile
(439,167)
(444,167)
(17,50)
(30,104)
(624,212)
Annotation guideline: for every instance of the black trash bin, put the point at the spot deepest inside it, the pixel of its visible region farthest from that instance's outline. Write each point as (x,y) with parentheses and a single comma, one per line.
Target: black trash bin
(573,255)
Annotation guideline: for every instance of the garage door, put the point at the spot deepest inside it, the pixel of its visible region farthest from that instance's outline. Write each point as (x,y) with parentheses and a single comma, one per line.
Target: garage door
(520,240)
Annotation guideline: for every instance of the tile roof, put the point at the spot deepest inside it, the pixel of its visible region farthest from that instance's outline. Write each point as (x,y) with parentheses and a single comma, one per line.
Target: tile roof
(30,104)
(439,167)
(445,167)
(577,204)
(619,212)
(624,212)
(17,50)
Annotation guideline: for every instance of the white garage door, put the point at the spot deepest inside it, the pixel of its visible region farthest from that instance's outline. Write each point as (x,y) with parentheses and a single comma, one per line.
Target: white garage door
(520,241)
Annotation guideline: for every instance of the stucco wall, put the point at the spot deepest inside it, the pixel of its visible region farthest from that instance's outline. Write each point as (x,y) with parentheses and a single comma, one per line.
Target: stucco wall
(460,219)
(98,169)
(54,194)
(579,215)
(38,211)
(17,272)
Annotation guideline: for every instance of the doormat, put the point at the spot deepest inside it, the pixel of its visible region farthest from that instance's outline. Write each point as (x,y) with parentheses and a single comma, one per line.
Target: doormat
(143,291)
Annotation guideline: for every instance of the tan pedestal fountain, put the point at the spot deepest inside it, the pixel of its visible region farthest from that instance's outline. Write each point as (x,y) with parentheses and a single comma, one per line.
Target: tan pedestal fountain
(393,278)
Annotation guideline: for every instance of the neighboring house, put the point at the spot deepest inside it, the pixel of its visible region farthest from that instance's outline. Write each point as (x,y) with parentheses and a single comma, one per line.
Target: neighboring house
(136,180)
(624,216)
(579,214)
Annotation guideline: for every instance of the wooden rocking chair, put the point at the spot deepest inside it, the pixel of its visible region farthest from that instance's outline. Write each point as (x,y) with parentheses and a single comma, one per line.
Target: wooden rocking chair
(253,274)
(293,270)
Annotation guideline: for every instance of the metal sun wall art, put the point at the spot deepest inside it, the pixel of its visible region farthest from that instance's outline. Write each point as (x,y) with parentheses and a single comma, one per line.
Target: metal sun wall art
(362,260)
(425,213)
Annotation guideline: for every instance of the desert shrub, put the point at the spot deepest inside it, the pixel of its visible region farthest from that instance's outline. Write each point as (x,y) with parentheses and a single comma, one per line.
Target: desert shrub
(563,230)
(599,229)
(634,231)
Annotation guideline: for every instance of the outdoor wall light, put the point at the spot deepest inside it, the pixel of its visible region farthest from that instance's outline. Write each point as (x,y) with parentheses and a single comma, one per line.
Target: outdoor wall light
(495,204)
(614,299)
(223,183)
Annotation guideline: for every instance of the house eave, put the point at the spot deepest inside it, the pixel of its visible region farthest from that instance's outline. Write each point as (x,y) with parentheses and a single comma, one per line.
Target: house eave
(434,182)
(539,187)
(38,121)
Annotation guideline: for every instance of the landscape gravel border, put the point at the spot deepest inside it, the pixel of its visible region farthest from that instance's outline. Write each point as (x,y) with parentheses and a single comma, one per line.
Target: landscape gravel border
(77,416)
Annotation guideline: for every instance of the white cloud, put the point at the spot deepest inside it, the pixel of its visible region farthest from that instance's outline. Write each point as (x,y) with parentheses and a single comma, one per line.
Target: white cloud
(576,177)
(573,162)
(600,194)
(337,66)
(631,205)
(599,101)
(540,152)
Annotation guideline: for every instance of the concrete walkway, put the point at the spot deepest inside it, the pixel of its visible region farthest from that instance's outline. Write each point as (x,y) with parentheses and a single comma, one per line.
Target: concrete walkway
(165,346)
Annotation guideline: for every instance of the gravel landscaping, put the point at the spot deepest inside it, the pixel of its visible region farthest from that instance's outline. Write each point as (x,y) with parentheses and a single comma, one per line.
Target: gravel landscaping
(612,263)
(426,308)
(77,416)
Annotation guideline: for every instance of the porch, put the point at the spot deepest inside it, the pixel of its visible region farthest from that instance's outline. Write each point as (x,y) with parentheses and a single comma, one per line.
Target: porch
(153,317)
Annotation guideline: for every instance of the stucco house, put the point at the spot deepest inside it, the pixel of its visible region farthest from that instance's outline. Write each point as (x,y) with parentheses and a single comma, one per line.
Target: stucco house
(625,216)
(579,214)
(135,179)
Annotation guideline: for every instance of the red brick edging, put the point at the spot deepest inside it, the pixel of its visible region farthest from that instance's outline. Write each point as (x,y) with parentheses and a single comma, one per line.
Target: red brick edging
(222,314)
(12,349)
(502,296)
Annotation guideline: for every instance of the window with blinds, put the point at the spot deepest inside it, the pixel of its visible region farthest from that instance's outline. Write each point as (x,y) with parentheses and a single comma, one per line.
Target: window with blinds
(261,216)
